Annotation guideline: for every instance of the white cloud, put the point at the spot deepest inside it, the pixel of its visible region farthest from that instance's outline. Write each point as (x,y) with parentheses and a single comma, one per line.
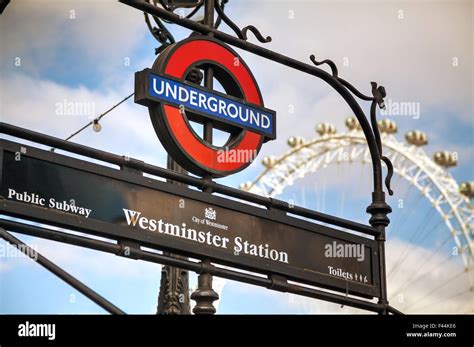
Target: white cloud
(101,32)
(440,282)
(4,267)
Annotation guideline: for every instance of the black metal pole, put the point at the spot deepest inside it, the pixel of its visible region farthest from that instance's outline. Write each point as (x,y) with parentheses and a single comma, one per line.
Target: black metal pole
(173,297)
(204,294)
(66,277)
(209,72)
(379,210)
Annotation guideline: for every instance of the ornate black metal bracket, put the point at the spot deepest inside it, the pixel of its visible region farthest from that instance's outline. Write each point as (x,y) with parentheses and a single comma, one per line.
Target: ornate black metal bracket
(164,36)
(377,98)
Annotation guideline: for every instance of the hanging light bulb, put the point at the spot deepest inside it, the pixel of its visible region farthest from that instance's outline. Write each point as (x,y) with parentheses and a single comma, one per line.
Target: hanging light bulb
(96,126)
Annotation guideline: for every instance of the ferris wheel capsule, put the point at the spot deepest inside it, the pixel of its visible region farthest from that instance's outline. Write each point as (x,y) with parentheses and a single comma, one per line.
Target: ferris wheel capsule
(269,161)
(387,126)
(295,141)
(445,159)
(325,129)
(352,123)
(416,138)
(467,189)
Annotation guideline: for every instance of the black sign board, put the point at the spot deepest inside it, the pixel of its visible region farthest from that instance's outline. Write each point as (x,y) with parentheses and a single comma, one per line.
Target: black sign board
(121,204)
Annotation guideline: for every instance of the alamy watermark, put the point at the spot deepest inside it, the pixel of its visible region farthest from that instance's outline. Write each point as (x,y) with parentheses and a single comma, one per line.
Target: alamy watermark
(228,155)
(28,329)
(402,108)
(23,251)
(74,108)
(344,250)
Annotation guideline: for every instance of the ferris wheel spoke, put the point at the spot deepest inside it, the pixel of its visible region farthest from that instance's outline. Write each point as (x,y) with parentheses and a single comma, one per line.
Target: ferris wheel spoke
(403,255)
(430,293)
(401,198)
(464,292)
(429,271)
(426,261)
(404,221)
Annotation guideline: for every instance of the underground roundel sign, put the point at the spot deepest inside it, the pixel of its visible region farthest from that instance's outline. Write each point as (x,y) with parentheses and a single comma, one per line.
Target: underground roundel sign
(174,92)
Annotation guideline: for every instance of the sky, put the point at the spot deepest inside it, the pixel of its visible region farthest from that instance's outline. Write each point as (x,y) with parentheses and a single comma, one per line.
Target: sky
(58,51)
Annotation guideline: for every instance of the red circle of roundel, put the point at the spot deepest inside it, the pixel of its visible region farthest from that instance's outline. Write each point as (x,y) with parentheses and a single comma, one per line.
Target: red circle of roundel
(174,130)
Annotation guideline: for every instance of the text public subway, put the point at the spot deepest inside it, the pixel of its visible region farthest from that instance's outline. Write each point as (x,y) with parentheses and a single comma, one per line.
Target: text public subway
(216,105)
(239,245)
(35,199)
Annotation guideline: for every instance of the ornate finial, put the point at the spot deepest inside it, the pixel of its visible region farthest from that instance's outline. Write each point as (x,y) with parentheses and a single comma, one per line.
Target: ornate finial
(204,294)
(379,94)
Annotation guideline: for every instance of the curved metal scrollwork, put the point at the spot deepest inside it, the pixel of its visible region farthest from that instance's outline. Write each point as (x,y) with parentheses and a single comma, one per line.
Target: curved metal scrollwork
(160,32)
(257,34)
(241,34)
(377,98)
(163,35)
(331,64)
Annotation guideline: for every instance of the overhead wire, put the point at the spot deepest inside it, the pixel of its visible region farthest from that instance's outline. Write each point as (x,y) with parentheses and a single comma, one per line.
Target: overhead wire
(97,119)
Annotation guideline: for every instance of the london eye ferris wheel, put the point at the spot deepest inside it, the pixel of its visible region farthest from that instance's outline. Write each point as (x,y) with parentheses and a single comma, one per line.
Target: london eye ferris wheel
(430,250)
